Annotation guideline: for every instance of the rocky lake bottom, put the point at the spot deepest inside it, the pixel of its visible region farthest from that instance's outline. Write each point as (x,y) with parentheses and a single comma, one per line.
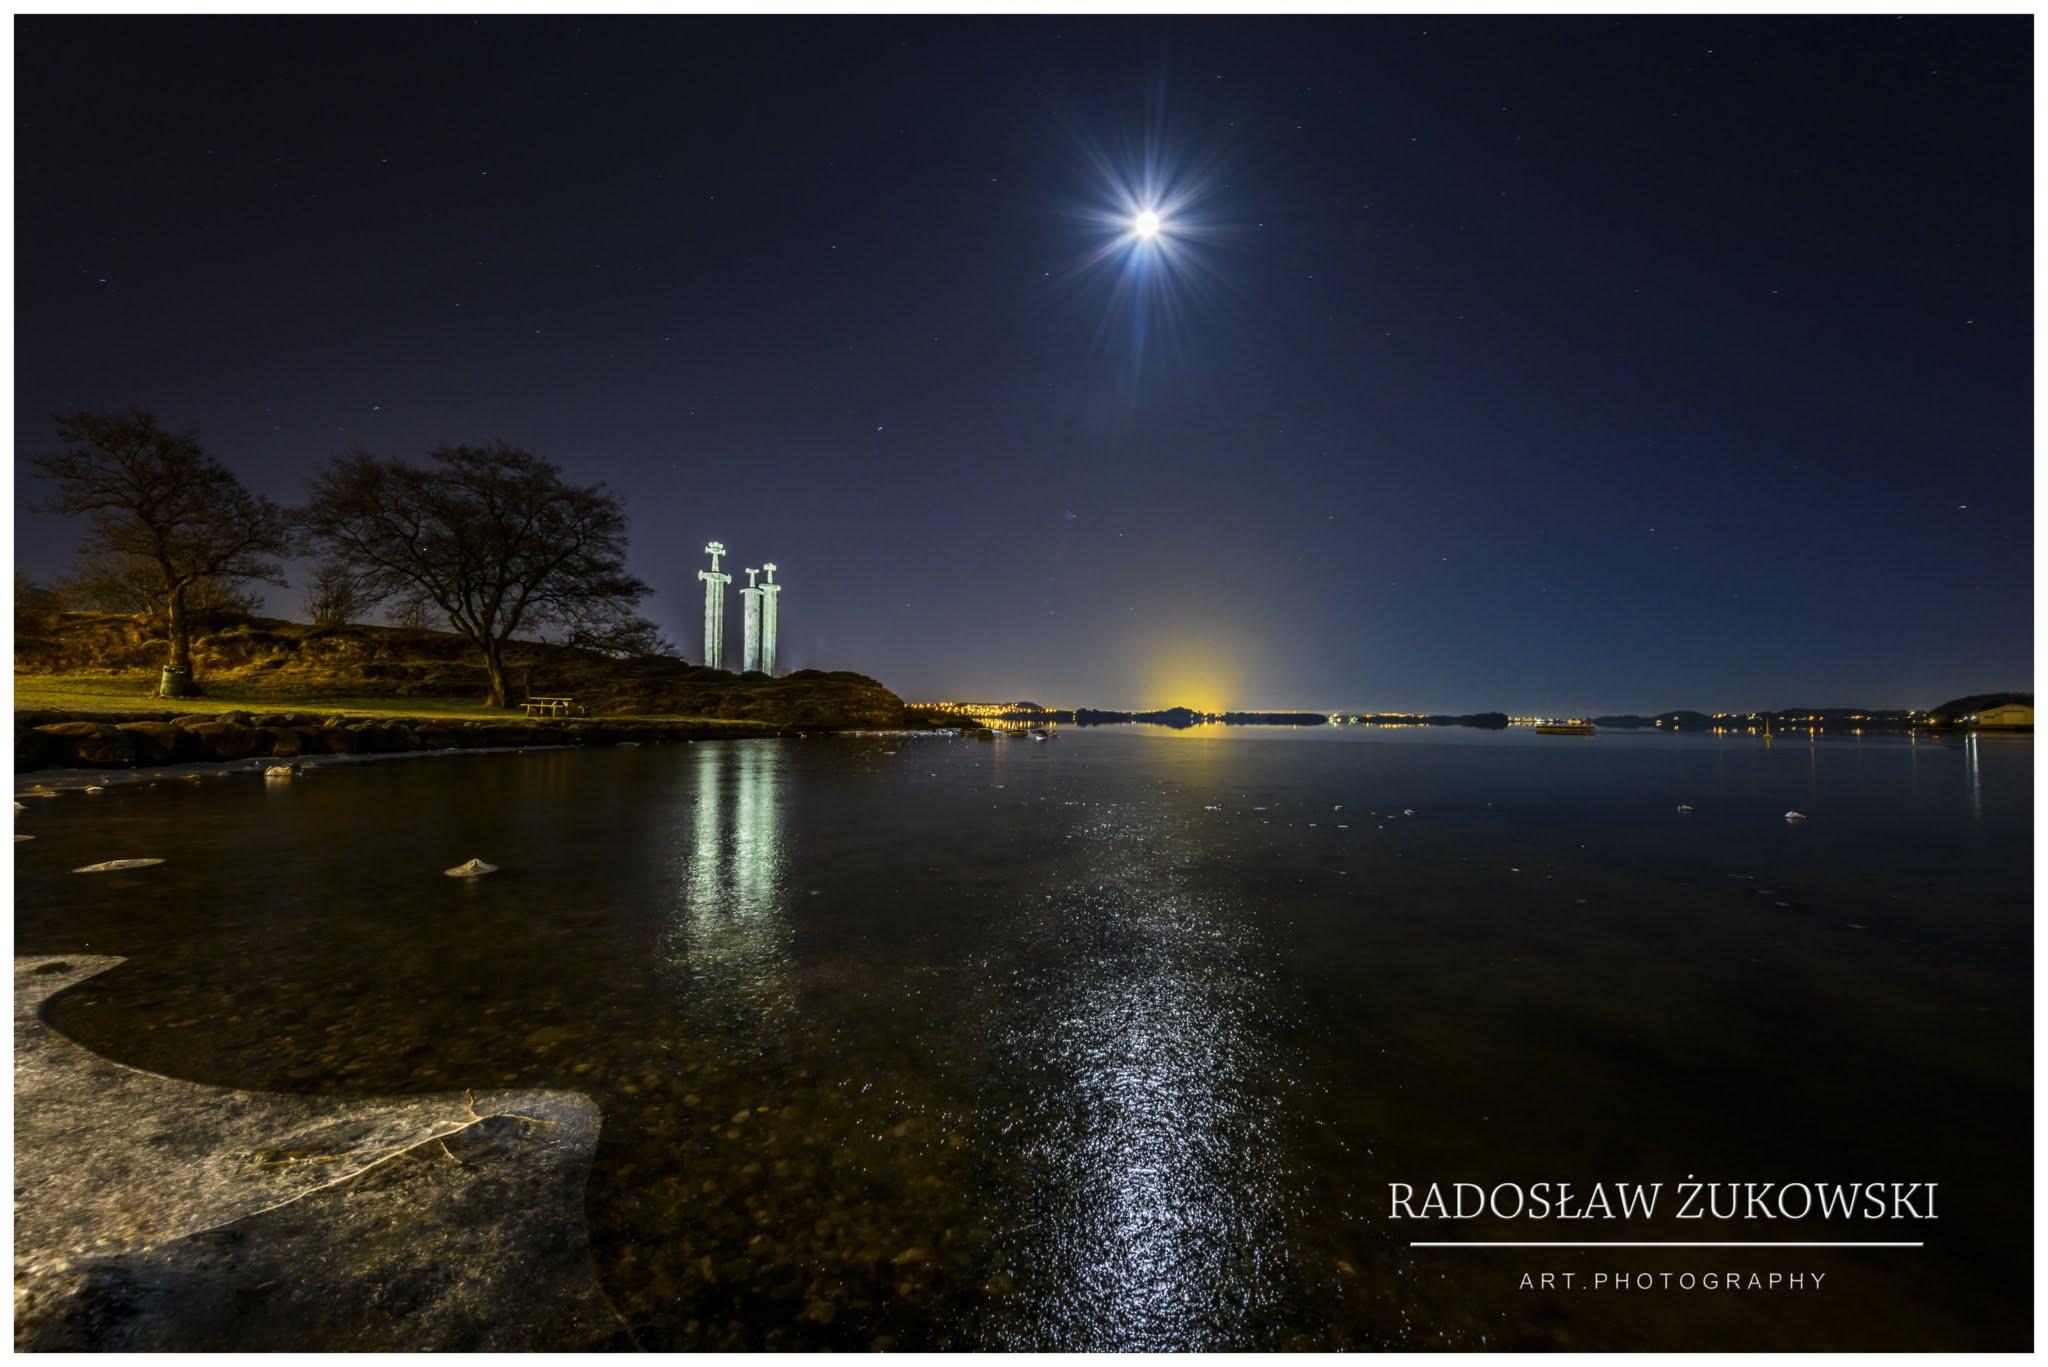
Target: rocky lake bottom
(1117,1041)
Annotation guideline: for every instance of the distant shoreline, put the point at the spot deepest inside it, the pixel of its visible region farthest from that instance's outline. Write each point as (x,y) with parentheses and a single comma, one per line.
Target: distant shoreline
(153,739)
(2003,712)
(88,743)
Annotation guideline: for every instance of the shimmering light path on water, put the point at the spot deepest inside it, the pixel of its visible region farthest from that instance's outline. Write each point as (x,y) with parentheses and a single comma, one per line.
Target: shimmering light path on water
(1115,1041)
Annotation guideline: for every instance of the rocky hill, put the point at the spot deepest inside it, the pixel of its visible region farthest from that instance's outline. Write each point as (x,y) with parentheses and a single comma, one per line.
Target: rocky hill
(1978,702)
(291,665)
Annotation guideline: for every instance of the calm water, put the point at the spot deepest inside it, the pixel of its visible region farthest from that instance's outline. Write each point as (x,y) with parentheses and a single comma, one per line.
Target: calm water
(1116,1041)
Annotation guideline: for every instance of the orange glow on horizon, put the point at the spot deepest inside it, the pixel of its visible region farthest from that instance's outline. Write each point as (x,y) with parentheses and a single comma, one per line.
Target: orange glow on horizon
(1190,676)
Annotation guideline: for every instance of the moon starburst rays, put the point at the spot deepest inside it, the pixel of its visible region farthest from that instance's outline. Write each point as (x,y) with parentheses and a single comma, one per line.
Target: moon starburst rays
(1147,253)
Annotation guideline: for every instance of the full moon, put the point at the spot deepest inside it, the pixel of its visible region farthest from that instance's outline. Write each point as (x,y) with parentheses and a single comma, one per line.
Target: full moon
(1147,224)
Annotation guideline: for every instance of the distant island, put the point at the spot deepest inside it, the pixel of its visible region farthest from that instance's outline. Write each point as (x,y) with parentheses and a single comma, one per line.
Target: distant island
(1181,718)
(1956,712)
(2007,711)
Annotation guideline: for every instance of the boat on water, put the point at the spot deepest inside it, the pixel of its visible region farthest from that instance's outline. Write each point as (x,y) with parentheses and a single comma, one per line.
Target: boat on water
(1566,728)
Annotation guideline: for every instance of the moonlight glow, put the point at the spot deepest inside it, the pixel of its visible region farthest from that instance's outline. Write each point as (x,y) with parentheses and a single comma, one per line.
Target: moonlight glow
(1148,241)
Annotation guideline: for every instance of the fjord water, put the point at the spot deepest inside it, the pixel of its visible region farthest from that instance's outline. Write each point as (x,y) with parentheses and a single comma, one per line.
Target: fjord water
(1116,1041)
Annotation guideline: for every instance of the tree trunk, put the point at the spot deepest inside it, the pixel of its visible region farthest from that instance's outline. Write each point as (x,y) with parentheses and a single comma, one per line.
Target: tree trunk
(494,664)
(177,676)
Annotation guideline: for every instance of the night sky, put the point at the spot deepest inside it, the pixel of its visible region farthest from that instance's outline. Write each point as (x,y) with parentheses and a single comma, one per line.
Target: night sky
(1543,364)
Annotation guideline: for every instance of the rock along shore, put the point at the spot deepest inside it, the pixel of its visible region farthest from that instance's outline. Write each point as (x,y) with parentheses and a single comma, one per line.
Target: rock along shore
(66,740)
(154,1214)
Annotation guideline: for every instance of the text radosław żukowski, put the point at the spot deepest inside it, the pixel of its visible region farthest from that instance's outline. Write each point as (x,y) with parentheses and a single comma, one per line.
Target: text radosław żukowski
(1687,1200)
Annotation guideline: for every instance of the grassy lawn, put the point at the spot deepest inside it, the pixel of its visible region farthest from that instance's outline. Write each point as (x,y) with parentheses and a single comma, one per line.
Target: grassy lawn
(100,694)
(76,694)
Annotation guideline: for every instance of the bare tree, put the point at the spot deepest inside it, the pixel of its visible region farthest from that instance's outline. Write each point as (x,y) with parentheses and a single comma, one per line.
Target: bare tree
(34,597)
(492,536)
(115,581)
(34,605)
(616,630)
(159,497)
(410,612)
(336,595)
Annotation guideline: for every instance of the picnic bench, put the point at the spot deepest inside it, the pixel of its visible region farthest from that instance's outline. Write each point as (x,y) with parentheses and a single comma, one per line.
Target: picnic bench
(549,706)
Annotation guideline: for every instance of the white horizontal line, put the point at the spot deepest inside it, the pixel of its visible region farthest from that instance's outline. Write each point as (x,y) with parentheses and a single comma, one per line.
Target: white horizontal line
(1655,1243)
